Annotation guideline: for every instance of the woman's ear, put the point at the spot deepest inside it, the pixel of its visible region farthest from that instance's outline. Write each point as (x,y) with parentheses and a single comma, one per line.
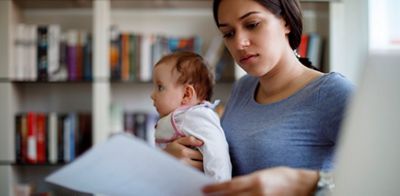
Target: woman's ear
(189,94)
(285,26)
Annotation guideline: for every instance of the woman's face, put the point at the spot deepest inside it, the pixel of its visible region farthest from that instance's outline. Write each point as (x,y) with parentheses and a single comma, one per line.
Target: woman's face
(255,37)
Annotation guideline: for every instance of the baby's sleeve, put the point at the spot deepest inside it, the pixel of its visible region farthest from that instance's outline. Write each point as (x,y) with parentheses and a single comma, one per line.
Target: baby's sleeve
(204,124)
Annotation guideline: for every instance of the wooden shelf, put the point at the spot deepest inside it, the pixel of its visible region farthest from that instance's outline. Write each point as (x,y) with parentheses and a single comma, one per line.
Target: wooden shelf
(161,4)
(53,4)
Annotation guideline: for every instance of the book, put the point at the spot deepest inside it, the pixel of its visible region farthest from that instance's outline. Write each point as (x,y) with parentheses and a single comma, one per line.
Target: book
(18,138)
(115,53)
(87,58)
(52,138)
(31,138)
(125,61)
(42,52)
(314,52)
(41,129)
(72,42)
(303,47)
(53,52)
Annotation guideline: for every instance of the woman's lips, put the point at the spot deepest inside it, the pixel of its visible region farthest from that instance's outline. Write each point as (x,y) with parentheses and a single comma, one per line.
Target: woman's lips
(248,58)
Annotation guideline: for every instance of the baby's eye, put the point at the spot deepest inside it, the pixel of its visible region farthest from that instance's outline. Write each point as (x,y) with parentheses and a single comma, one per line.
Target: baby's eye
(160,87)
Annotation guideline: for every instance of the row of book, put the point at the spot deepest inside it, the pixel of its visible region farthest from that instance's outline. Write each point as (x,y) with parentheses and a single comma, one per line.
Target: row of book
(45,53)
(311,46)
(42,138)
(138,123)
(132,55)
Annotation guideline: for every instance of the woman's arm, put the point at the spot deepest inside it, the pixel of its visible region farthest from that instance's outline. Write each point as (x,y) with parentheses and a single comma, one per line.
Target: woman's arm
(182,149)
(275,181)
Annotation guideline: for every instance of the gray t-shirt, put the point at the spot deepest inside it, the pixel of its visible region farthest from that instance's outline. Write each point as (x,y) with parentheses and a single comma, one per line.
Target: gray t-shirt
(299,131)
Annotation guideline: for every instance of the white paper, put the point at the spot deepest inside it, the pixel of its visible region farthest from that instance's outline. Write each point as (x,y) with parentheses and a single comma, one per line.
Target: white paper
(124,165)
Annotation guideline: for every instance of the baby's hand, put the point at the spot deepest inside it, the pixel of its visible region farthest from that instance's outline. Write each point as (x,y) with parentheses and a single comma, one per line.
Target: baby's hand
(182,149)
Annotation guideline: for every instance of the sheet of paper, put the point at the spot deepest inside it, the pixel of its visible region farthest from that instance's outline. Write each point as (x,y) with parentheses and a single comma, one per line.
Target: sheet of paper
(124,165)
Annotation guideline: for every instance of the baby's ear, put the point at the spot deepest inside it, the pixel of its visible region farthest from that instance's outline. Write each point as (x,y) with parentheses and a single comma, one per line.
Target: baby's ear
(189,94)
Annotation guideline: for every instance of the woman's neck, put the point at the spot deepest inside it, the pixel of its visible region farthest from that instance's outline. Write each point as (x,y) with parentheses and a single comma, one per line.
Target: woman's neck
(286,78)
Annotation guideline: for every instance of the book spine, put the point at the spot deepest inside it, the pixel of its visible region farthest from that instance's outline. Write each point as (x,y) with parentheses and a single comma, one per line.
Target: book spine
(145,64)
(41,138)
(31,51)
(84,139)
(24,138)
(72,133)
(87,59)
(31,139)
(140,125)
(303,47)
(66,138)
(115,53)
(18,138)
(60,138)
(132,57)
(54,33)
(79,54)
(42,55)
(72,55)
(20,52)
(129,123)
(314,49)
(125,63)
(52,138)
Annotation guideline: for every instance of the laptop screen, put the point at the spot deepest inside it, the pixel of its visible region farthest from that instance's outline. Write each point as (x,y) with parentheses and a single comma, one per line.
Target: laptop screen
(368,159)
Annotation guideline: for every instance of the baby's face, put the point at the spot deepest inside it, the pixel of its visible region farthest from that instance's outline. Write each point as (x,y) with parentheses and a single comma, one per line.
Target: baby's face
(167,94)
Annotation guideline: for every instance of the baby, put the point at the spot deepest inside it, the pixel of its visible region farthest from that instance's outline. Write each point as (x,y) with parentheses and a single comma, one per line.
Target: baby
(181,94)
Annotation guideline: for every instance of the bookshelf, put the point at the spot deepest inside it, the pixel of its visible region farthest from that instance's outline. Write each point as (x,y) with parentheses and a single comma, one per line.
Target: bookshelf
(170,17)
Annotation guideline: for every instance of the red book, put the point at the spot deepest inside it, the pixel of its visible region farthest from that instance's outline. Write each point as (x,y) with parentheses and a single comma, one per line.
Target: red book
(41,138)
(31,139)
(303,47)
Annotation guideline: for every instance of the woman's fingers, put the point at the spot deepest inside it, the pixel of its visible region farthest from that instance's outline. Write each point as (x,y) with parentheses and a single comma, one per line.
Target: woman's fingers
(196,164)
(236,185)
(182,149)
(189,141)
(192,154)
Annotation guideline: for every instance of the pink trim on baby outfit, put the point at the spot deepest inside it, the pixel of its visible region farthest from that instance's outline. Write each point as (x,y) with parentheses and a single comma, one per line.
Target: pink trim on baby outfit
(177,132)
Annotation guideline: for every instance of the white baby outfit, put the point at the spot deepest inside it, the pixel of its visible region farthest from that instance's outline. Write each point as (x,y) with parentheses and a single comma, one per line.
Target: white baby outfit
(203,123)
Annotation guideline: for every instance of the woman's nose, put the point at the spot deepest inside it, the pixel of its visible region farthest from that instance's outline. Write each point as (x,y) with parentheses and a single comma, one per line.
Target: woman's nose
(242,41)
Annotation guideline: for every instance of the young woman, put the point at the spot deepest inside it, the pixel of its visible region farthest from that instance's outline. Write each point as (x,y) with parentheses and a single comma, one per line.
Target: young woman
(283,118)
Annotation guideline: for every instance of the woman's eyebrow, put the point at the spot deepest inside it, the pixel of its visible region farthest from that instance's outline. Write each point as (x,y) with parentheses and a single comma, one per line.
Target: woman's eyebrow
(248,14)
(240,18)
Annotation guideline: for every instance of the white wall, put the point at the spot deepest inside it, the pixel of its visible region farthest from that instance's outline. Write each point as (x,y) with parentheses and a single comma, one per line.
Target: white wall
(349,37)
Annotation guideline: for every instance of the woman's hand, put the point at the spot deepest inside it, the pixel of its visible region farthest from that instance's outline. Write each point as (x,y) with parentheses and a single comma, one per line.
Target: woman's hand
(275,181)
(182,149)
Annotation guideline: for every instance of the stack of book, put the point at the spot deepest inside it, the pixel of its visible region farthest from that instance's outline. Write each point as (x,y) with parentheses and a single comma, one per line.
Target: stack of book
(132,56)
(42,138)
(311,47)
(43,52)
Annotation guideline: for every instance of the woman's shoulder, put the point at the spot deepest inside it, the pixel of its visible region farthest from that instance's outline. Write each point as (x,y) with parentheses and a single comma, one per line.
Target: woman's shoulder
(335,89)
(335,82)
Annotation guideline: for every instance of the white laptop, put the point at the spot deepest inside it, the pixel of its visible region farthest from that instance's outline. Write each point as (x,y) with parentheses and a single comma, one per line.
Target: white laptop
(369,147)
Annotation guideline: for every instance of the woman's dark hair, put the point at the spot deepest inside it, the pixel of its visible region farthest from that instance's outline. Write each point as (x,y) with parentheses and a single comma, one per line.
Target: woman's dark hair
(290,11)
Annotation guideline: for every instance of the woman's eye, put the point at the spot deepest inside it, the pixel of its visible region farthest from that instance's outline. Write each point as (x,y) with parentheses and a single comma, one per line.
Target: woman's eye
(228,34)
(252,25)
